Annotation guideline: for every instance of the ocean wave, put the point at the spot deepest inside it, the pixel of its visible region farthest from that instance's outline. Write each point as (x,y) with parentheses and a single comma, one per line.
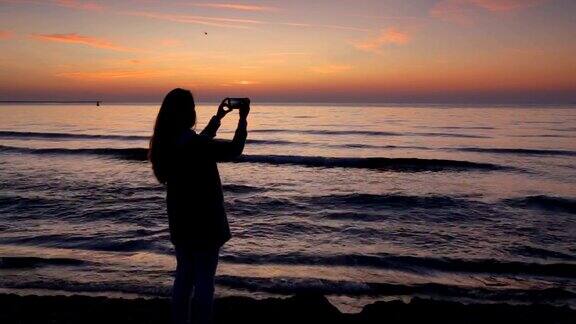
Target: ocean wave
(69,285)
(344,145)
(29,202)
(113,243)
(548,203)
(356,199)
(542,136)
(15,134)
(35,262)
(410,263)
(137,154)
(516,151)
(567,129)
(352,145)
(539,252)
(42,135)
(457,135)
(240,188)
(296,285)
(366,133)
(326,132)
(374,163)
(257,205)
(461,127)
(273,142)
(357,217)
(386,200)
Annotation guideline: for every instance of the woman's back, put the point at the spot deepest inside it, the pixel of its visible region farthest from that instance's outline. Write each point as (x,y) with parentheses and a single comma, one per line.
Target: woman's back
(194,192)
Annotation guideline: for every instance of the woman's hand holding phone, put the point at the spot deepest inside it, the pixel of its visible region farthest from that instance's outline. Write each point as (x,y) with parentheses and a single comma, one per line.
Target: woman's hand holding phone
(222,111)
(244,109)
(229,104)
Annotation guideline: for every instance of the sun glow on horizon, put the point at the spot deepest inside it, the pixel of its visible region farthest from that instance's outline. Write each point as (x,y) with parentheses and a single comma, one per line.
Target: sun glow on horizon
(437,50)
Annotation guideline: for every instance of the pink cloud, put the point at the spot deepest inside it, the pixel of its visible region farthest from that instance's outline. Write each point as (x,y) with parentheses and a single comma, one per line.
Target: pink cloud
(306,25)
(242,7)
(506,5)
(386,37)
(230,22)
(456,11)
(74,38)
(462,11)
(5,34)
(73,4)
(82,5)
(200,20)
(110,75)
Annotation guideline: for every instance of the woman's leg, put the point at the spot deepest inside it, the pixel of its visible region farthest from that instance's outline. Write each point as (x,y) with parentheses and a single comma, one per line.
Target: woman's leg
(205,264)
(183,286)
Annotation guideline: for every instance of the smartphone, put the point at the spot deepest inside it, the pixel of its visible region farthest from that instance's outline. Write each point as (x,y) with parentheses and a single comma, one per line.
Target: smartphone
(235,103)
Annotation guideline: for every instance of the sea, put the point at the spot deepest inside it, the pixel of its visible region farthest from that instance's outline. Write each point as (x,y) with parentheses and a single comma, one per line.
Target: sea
(360,203)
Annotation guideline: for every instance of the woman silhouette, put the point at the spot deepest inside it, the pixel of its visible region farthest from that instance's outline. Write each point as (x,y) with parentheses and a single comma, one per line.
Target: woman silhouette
(186,163)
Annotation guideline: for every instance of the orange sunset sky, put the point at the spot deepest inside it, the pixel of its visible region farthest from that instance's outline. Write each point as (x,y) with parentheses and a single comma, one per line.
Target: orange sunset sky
(303,51)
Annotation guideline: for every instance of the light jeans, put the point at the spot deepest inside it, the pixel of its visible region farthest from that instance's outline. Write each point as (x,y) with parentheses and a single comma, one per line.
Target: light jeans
(193,291)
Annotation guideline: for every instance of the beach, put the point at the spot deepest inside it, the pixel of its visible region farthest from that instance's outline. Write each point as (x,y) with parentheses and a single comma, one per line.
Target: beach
(299,308)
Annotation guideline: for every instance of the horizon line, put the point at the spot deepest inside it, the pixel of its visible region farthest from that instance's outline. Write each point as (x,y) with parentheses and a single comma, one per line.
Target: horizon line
(279,102)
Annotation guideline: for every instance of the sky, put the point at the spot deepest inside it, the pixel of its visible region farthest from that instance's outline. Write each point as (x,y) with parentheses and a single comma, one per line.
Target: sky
(461,51)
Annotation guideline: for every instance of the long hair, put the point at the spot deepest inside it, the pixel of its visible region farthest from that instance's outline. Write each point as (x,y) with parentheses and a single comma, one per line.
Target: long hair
(176,114)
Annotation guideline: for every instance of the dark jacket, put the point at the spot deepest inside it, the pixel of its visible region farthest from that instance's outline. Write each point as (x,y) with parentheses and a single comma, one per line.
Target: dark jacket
(194,197)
